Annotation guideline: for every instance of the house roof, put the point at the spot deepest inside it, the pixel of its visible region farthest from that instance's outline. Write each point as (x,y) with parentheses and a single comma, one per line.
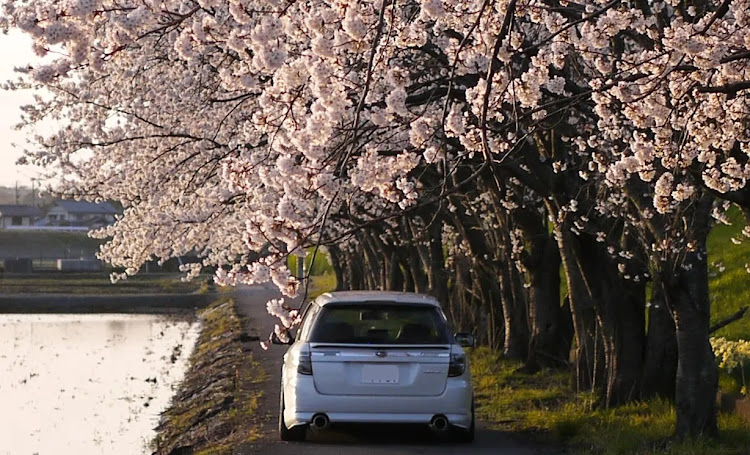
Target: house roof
(19,210)
(100,208)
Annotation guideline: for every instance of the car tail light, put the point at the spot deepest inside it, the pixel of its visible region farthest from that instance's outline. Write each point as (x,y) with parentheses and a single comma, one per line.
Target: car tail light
(305,363)
(457,366)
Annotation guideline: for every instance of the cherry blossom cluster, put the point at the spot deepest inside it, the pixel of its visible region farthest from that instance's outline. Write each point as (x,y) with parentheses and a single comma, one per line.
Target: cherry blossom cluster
(244,131)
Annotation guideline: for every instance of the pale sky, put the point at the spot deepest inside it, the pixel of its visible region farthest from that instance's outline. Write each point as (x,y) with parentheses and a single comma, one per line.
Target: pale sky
(15,50)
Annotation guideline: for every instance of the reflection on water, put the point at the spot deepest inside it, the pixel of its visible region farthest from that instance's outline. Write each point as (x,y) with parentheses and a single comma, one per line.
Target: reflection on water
(87,384)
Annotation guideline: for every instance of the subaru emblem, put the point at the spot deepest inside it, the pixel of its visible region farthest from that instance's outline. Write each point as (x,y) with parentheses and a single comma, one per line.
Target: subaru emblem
(381,353)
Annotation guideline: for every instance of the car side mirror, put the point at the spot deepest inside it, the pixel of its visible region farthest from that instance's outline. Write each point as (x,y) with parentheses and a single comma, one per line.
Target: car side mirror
(464,339)
(276,340)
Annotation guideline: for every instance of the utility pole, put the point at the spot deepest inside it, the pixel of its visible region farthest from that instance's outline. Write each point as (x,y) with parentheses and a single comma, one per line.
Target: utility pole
(33,192)
(17,192)
(301,267)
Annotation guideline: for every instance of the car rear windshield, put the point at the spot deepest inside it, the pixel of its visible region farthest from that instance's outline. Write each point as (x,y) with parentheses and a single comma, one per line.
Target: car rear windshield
(380,323)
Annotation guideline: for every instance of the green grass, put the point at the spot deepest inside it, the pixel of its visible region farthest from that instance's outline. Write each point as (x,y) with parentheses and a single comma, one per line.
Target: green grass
(321,284)
(730,288)
(544,406)
(321,266)
(322,276)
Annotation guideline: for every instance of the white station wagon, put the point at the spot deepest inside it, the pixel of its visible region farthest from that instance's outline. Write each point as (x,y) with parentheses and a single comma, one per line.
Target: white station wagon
(376,357)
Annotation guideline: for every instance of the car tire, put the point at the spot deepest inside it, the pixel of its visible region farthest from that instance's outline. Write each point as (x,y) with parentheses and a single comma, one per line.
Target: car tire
(466,436)
(296,433)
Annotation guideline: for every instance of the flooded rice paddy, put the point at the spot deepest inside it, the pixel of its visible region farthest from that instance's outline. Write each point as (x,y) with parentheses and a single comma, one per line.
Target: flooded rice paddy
(88,384)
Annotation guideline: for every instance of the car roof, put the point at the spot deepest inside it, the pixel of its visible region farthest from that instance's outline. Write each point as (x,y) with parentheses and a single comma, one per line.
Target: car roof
(374,297)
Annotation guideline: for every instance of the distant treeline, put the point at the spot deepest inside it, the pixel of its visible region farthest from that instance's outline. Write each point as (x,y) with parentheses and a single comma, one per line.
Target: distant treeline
(24,195)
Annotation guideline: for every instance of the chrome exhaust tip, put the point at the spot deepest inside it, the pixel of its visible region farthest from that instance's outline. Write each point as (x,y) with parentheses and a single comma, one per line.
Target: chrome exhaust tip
(320,422)
(439,424)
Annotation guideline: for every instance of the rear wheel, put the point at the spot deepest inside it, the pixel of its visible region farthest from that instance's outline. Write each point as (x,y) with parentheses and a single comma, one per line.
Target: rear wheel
(466,435)
(296,433)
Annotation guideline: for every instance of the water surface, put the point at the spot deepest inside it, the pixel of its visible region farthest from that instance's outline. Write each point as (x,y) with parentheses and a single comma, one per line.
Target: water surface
(87,384)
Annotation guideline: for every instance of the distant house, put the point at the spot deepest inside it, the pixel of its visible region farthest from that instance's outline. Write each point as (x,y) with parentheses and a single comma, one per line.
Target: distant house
(18,215)
(80,213)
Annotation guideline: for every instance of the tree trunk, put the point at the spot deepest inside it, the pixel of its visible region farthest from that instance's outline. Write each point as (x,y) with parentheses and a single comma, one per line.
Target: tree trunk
(547,346)
(622,323)
(660,364)
(436,273)
(515,316)
(417,260)
(396,276)
(336,257)
(356,268)
(461,304)
(697,376)
(374,276)
(686,291)
(618,305)
(588,360)
(392,277)
(486,292)
(485,269)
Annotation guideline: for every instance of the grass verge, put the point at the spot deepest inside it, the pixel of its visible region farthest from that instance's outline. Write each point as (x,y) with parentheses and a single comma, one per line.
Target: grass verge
(729,256)
(321,284)
(219,394)
(543,405)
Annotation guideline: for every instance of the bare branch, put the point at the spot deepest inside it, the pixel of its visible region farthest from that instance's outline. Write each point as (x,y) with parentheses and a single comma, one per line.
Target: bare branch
(735,317)
(723,9)
(729,89)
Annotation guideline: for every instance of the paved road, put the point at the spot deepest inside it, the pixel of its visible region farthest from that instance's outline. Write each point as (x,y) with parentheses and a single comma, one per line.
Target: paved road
(354,440)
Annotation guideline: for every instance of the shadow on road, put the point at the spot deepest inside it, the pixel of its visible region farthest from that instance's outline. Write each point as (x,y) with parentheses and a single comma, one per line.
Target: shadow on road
(348,439)
(397,440)
(383,435)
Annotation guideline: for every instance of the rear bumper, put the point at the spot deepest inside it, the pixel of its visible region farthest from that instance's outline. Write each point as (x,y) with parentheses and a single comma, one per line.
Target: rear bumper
(302,401)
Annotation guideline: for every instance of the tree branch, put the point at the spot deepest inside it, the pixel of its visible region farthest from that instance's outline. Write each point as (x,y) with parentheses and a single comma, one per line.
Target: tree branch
(735,317)
(723,9)
(730,89)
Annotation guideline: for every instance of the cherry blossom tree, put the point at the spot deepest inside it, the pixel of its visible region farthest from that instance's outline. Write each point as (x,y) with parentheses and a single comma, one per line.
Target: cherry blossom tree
(494,139)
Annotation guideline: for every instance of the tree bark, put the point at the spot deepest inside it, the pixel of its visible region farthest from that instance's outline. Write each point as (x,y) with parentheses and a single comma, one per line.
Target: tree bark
(417,260)
(547,345)
(697,376)
(491,315)
(660,364)
(355,267)
(436,273)
(484,295)
(541,259)
(462,311)
(515,316)
(627,333)
(588,360)
(336,257)
(687,294)
(374,276)
(618,304)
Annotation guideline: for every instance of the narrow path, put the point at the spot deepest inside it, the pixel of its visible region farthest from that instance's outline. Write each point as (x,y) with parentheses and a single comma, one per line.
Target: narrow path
(355,440)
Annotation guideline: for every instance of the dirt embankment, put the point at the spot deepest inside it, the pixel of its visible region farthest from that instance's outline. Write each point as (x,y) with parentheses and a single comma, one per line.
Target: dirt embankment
(218,399)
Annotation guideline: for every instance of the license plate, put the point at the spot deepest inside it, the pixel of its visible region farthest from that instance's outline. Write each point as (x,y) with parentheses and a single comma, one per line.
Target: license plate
(380,374)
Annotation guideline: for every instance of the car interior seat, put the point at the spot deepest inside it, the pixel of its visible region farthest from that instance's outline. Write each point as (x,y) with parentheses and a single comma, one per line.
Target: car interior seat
(414,333)
(335,332)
